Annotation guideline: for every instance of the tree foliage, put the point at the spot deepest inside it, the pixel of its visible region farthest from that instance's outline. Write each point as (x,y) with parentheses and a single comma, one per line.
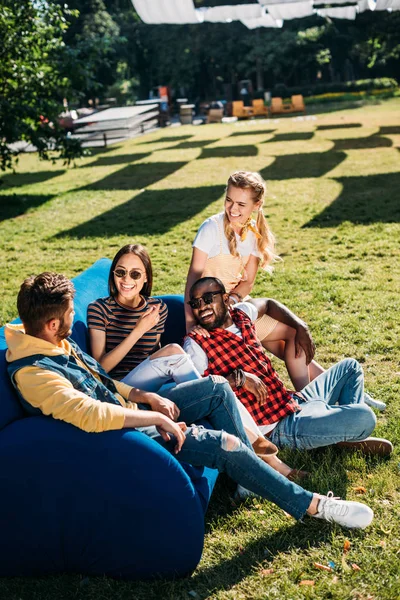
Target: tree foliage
(99,48)
(31,84)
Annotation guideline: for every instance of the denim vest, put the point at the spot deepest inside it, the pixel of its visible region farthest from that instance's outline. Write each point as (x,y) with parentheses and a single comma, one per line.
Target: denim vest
(81,379)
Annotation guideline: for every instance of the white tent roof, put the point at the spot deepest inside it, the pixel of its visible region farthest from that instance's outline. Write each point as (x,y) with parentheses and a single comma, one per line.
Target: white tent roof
(267,13)
(224,14)
(292,10)
(339,12)
(384,4)
(263,21)
(155,12)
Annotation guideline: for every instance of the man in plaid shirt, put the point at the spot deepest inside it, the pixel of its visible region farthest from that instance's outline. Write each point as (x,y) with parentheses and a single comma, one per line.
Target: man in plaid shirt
(329,410)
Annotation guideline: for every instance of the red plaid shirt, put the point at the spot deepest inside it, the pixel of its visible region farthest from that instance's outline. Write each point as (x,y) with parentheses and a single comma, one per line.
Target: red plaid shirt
(226,352)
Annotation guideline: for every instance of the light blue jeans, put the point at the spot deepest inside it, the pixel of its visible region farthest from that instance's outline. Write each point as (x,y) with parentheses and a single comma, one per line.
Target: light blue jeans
(333,410)
(151,374)
(212,398)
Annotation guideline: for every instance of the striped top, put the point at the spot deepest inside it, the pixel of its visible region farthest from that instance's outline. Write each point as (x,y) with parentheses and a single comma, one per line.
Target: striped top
(107,314)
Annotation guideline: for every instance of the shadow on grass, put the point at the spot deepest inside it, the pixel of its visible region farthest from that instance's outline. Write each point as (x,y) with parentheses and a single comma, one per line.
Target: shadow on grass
(291,137)
(134,177)
(363,200)
(374,141)
(252,132)
(15,205)
(389,130)
(152,212)
(119,159)
(298,166)
(12,180)
(338,126)
(194,144)
(232,571)
(227,151)
(168,139)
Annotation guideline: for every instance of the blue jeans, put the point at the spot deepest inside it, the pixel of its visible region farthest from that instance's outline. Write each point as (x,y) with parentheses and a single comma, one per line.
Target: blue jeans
(333,410)
(212,398)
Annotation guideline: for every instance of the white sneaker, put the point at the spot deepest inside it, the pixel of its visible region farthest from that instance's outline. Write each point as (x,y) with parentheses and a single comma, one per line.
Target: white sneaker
(378,404)
(346,513)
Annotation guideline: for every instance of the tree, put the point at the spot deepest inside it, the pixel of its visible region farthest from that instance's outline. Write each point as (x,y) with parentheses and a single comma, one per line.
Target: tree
(91,53)
(31,86)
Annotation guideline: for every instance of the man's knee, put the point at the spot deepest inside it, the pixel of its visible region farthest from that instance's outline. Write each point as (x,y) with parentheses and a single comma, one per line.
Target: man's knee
(366,420)
(351,364)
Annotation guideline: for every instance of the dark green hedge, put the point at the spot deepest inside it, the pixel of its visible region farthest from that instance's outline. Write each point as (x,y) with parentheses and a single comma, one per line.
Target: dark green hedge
(281,90)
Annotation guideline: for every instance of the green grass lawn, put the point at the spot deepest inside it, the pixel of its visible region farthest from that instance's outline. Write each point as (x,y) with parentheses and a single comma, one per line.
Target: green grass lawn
(333,202)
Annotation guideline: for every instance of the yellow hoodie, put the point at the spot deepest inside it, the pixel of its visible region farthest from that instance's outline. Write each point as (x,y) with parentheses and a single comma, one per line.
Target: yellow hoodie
(53,394)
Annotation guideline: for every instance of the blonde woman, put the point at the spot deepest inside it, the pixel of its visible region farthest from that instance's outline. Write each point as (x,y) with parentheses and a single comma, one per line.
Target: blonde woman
(232,246)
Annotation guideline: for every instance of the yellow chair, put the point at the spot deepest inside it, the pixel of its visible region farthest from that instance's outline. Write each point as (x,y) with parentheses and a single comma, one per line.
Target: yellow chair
(298,104)
(278,107)
(259,108)
(240,110)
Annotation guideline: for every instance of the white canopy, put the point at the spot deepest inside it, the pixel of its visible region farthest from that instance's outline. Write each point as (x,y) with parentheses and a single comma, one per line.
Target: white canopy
(155,12)
(384,4)
(292,10)
(339,12)
(268,2)
(224,14)
(263,21)
(267,13)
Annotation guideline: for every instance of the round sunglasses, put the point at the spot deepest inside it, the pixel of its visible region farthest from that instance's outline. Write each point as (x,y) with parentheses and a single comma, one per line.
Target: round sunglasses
(133,273)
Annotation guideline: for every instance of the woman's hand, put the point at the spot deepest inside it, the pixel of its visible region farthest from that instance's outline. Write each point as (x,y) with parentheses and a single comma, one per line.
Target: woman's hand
(255,386)
(199,330)
(167,428)
(149,319)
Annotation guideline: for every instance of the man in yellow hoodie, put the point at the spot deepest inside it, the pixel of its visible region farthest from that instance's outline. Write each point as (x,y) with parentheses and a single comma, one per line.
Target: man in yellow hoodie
(52,376)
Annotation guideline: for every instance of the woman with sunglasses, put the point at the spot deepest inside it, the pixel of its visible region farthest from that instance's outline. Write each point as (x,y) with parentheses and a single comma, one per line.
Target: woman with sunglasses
(125,330)
(125,327)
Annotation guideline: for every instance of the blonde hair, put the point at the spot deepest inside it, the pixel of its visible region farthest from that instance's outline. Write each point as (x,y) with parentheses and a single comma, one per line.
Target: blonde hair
(246,180)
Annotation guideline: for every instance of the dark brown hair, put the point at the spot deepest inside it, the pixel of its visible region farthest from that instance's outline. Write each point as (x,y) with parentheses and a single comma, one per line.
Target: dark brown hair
(43,298)
(141,252)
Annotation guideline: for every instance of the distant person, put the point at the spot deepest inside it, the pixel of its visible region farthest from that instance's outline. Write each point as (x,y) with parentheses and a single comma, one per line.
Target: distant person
(244,95)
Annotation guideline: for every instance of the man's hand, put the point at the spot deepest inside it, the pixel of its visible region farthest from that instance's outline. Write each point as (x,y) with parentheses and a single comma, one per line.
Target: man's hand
(303,341)
(162,405)
(254,385)
(156,403)
(167,428)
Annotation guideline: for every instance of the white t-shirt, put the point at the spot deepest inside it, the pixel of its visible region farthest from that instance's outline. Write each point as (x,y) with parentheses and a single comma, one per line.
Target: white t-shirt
(208,239)
(196,352)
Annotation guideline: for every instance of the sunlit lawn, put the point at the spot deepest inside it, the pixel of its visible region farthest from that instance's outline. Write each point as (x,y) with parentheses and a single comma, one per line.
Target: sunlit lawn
(334,204)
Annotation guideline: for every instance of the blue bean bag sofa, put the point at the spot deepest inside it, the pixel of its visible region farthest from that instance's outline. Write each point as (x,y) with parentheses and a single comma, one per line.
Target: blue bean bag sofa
(113,503)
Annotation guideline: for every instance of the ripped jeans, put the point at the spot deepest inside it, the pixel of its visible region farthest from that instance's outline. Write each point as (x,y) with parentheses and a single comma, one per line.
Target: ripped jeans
(153,373)
(227,448)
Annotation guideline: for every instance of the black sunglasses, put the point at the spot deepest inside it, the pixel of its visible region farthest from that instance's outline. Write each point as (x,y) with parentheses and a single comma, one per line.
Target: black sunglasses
(133,274)
(207,298)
